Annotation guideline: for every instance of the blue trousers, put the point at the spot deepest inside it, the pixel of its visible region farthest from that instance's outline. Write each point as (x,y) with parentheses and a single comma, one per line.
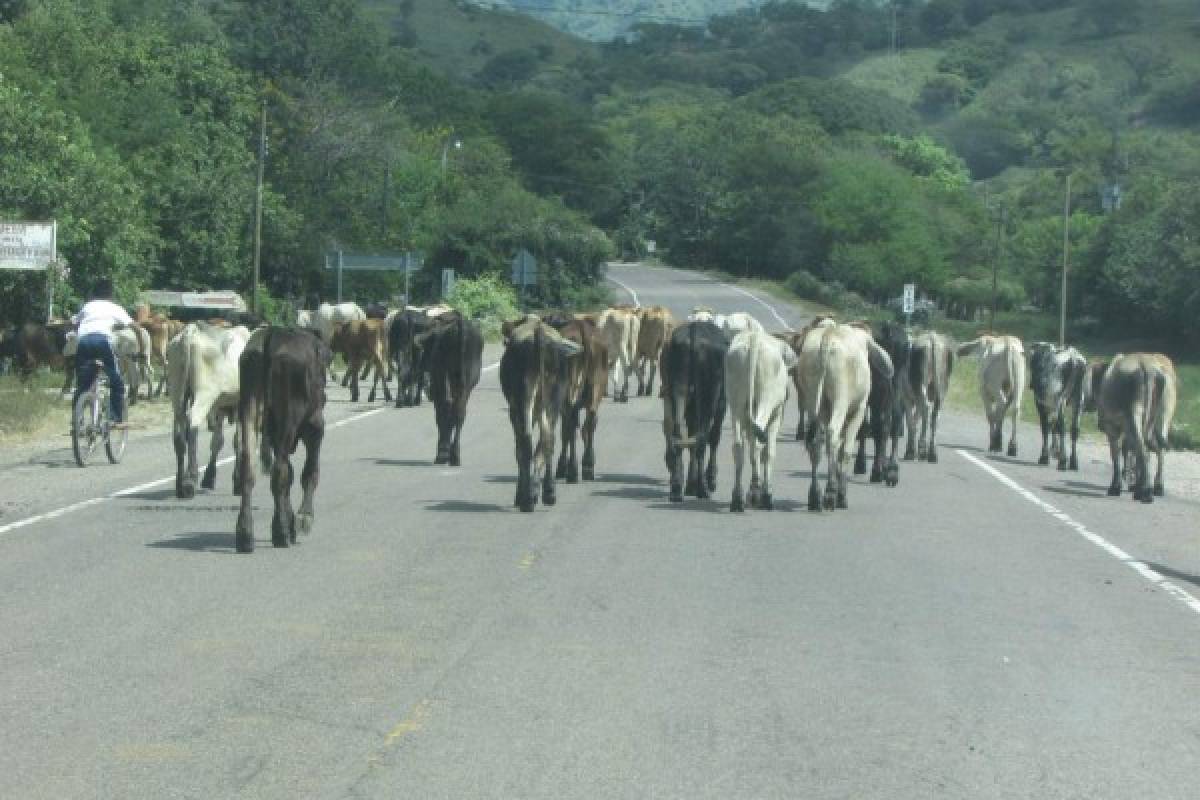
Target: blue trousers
(92,348)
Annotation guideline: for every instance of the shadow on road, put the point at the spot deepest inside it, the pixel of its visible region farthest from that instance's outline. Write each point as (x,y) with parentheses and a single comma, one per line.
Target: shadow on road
(633,493)
(201,542)
(617,477)
(400,462)
(1171,573)
(500,478)
(1091,491)
(464,505)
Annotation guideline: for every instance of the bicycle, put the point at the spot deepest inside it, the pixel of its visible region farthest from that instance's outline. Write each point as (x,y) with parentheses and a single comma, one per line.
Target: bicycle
(90,423)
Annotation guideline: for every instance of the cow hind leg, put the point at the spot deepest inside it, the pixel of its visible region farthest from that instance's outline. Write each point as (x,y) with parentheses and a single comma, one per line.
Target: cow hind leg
(283,523)
(214,448)
(813,444)
(312,436)
(737,502)
(860,457)
(588,467)
(183,488)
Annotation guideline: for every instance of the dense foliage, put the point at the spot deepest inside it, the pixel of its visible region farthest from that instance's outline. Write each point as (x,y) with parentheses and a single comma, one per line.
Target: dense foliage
(785,141)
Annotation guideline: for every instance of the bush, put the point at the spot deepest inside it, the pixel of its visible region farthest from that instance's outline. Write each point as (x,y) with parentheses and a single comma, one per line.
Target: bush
(487,298)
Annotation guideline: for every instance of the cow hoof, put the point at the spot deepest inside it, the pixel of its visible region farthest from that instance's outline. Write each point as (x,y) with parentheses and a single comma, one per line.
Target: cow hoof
(908,457)
(676,496)
(1159,491)
(454,460)
(244,542)
(185,491)
(932,456)
(737,504)
(1145,496)
(589,474)
(1062,466)
(876,476)
(441,458)
(1012,451)
(829,502)
(860,469)
(280,540)
(892,479)
(1114,491)
(210,479)
(1043,459)
(572,477)
(304,522)
(841,500)
(766,503)
(1073,464)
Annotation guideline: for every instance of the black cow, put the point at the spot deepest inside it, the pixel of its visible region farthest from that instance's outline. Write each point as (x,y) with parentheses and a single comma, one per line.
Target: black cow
(1056,377)
(693,392)
(534,376)
(880,419)
(406,354)
(452,354)
(282,377)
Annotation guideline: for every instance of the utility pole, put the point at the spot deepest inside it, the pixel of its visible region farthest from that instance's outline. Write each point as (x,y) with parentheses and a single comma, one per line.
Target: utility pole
(1062,304)
(258,204)
(893,48)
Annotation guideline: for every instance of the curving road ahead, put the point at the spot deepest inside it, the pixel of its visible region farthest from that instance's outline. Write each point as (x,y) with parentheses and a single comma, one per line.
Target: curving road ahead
(989,629)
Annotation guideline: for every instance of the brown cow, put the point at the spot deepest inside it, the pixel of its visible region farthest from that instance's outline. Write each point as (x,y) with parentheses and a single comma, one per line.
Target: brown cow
(361,342)
(586,376)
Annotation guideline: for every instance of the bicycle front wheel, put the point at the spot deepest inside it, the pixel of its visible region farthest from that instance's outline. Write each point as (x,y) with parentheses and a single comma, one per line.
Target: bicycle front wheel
(115,439)
(84,428)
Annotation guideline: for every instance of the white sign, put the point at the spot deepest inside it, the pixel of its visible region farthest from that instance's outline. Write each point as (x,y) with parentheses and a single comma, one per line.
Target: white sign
(651,245)
(27,245)
(447,282)
(910,297)
(214,300)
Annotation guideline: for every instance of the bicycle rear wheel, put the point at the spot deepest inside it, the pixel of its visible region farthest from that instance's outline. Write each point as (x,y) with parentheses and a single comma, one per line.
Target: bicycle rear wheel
(84,430)
(115,439)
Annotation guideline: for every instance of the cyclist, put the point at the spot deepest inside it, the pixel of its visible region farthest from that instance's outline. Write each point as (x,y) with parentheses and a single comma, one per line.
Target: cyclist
(96,322)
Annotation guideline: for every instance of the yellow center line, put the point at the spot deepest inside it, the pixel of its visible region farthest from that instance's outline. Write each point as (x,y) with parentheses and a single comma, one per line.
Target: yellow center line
(414,722)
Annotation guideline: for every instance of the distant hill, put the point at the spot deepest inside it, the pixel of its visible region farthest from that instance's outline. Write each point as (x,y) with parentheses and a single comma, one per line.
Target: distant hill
(462,39)
(601,21)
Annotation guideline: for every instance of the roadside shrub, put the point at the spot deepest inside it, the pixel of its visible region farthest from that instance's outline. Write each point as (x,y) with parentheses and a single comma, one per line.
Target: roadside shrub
(487,298)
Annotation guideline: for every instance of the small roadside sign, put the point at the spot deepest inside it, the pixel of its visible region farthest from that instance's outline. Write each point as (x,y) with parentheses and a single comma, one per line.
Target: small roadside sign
(651,246)
(447,282)
(28,245)
(524,269)
(910,298)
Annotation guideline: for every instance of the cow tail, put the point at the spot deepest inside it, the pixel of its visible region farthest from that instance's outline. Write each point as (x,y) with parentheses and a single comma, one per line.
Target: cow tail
(823,367)
(262,414)
(539,350)
(1014,370)
(756,389)
(187,393)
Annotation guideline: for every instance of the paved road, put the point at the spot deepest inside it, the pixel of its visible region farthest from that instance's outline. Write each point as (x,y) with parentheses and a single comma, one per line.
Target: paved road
(972,633)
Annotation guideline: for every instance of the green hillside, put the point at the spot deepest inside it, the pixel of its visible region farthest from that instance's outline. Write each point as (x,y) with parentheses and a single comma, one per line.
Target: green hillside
(463,39)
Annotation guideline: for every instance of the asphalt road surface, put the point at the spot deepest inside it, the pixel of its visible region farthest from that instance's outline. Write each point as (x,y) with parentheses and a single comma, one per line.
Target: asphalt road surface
(988,629)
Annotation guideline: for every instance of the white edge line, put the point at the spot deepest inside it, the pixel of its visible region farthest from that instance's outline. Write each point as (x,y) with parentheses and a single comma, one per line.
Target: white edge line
(1139,567)
(82,504)
(759,300)
(629,289)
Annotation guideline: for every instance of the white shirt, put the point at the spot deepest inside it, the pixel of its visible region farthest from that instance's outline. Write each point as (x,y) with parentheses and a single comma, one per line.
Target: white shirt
(100,316)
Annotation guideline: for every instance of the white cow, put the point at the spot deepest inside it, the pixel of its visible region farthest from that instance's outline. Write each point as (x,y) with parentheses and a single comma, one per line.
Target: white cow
(834,381)
(732,324)
(756,386)
(202,377)
(1001,384)
(620,328)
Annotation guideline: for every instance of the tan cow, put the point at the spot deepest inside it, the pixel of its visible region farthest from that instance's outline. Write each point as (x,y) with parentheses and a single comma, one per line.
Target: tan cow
(835,382)
(1001,384)
(654,329)
(1135,397)
(620,328)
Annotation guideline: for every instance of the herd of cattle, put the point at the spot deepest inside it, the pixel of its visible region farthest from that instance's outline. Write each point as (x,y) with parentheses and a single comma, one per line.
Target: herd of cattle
(851,383)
